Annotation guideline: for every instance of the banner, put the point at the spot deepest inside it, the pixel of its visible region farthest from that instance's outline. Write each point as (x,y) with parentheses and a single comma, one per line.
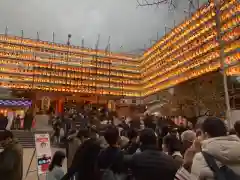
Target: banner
(33,123)
(43,152)
(21,123)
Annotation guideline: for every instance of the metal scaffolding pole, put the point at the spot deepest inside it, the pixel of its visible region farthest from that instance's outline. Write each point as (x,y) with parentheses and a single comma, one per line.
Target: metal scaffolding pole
(38,36)
(96,64)
(34,68)
(22,36)
(6,31)
(222,61)
(107,52)
(68,54)
(122,83)
(81,83)
(52,59)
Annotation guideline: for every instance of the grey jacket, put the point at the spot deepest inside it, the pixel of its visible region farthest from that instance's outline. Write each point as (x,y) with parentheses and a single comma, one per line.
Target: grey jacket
(56,174)
(73,146)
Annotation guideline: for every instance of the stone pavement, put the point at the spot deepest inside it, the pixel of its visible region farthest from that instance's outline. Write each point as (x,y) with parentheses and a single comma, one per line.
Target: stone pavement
(27,158)
(27,155)
(42,123)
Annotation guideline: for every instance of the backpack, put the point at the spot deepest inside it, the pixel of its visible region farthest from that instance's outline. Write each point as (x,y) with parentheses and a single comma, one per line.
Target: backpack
(222,173)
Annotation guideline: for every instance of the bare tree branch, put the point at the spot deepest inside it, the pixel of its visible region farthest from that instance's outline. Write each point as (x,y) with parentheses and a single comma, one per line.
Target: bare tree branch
(171,3)
(156,3)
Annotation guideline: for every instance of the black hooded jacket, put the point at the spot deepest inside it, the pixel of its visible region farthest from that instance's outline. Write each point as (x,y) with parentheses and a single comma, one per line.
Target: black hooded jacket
(84,161)
(152,164)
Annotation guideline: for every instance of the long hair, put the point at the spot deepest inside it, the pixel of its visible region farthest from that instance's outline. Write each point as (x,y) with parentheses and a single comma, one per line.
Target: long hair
(57,160)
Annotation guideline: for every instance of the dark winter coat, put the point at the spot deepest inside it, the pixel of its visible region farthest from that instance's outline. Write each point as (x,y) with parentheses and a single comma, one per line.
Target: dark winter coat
(3,122)
(152,164)
(84,161)
(11,162)
(131,148)
(28,119)
(111,157)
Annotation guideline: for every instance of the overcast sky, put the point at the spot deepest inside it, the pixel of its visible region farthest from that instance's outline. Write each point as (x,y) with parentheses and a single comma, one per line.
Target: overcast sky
(128,26)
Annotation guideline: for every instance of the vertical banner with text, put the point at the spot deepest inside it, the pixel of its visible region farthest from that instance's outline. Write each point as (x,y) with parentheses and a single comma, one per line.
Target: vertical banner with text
(43,152)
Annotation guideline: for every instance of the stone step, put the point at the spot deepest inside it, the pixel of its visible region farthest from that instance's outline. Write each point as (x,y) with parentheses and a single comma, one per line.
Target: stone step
(25,138)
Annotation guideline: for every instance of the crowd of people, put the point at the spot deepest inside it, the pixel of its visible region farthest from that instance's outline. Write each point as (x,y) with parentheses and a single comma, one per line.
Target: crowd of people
(136,151)
(130,150)
(15,121)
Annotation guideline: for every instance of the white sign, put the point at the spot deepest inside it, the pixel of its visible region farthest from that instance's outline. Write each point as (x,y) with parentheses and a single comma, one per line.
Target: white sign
(43,152)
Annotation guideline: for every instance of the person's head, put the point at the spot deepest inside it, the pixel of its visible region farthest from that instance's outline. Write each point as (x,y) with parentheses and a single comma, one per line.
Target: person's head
(111,135)
(147,138)
(171,144)
(57,160)
(190,125)
(188,135)
(237,128)
(93,132)
(213,127)
(83,134)
(174,132)
(123,142)
(132,135)
(198,132)
(187,138)
(6,138)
